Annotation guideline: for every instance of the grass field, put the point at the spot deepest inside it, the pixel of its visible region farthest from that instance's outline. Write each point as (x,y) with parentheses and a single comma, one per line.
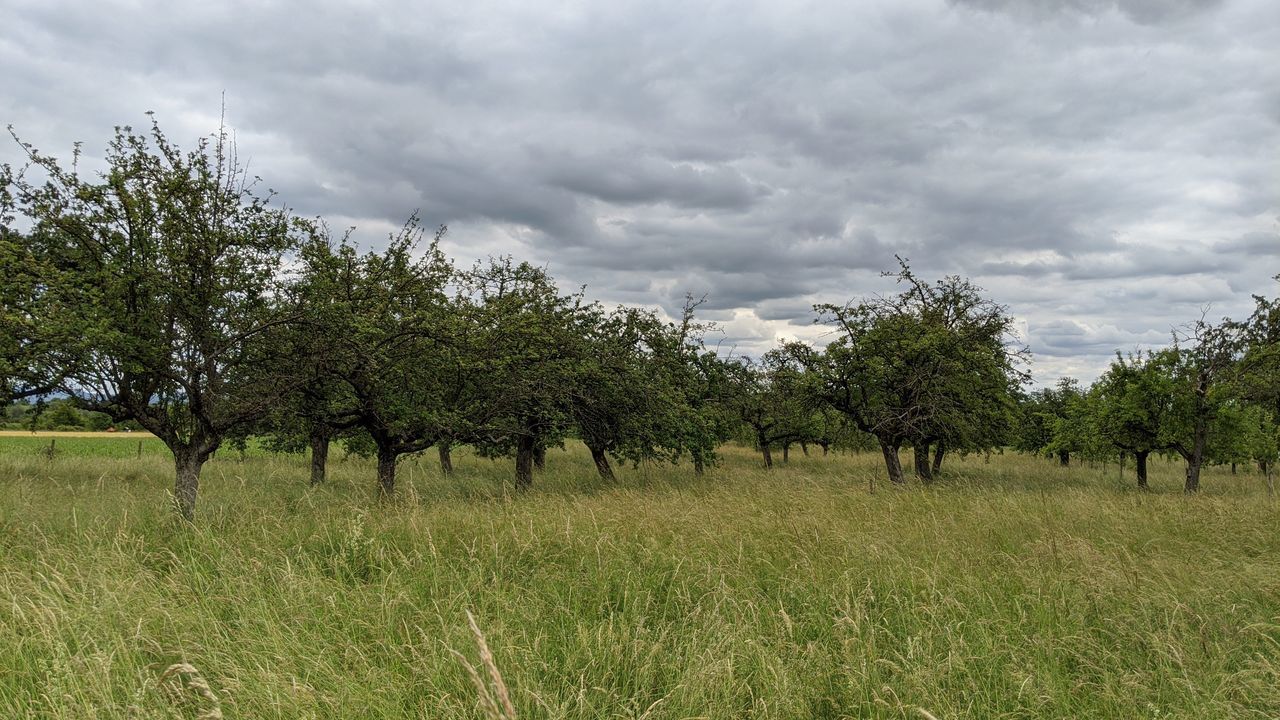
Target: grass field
(1014,589)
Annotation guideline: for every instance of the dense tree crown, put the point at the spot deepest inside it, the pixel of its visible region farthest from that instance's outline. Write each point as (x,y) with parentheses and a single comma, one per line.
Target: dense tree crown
(169,292)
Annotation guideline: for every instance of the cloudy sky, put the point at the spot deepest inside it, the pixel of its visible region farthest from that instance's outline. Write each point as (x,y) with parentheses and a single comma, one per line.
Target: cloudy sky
(1106,168)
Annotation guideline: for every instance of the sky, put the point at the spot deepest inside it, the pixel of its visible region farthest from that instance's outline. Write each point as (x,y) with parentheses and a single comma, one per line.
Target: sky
(1107,169)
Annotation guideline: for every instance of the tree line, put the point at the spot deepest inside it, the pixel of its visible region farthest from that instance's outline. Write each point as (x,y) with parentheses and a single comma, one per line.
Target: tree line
(1213,396)
(170,290)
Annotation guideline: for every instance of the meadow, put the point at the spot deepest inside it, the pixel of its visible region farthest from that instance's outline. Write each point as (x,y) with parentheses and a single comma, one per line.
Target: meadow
(1009,589)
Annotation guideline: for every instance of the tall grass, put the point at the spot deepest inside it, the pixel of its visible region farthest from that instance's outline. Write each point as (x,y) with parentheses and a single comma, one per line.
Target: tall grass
(1014,589)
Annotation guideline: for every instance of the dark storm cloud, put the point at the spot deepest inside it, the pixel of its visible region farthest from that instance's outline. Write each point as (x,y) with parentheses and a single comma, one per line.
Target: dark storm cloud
(1104,167)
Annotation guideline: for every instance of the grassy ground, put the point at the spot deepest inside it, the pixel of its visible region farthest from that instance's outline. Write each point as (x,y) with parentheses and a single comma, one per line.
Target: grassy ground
(1014,589)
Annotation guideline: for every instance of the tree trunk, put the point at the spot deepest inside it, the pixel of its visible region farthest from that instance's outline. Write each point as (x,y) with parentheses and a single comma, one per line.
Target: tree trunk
(446,458)
(1195,461)
(804,448)
(891,461)
(768,456)
(1233,468)
(1268,469)
(921,453)
(826,447)
(698,464)
(786,452)
(1064,458)
(187,485)
(1140,460)
(540,456)
(524,463)
(319,456)
(938,454)
(602,463)
(386,472)
(1193,478)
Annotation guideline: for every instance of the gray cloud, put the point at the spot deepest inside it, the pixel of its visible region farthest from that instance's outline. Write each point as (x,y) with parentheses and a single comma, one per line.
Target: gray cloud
(1146,12)
(1103,167)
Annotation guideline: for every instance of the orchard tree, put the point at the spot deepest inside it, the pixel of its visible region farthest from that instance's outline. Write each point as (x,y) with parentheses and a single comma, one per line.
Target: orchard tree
(1134,400)
(383,343)
(532,352)
(624,401)
(1256,379)
(1076,424)
(167,272)
(933,363)
(1062,411)
(1203,359)
(318,413)
(1035,423)
(772,400)
(703,380)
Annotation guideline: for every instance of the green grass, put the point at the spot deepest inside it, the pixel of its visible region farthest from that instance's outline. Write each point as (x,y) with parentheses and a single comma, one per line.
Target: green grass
(1014,589)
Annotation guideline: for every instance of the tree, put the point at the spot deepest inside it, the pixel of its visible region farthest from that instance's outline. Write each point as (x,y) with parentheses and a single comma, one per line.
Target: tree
(311,418)
(703,381)
(625,401)
(1055,421)
(383,344)
(532,353)
(1203,358)
(1134,399)
(167,268)
(770,400)
(1075,421)
(1257,380)
(934,363)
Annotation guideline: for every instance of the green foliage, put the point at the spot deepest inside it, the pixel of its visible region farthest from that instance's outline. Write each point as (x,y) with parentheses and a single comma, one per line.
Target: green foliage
(1134,400)
(163,275)
(378,345)
(529,351)
(774,399)
(628,396)
(33,341)
(935,363)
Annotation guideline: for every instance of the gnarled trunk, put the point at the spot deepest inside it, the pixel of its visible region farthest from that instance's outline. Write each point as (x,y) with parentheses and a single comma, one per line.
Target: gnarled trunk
(1195,458)
(938,453)
(804,448)
(1140,460)
(319,442)
(826,447)
(386,471)
(1193,478)
(524,462)
(446,458)
(921,453)
(602,463)
(786,452)
(187,483)
(891,461)
(768,455)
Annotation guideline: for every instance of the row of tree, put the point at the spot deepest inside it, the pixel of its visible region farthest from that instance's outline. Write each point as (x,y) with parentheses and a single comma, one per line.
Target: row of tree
(169,291)
(1213,396)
